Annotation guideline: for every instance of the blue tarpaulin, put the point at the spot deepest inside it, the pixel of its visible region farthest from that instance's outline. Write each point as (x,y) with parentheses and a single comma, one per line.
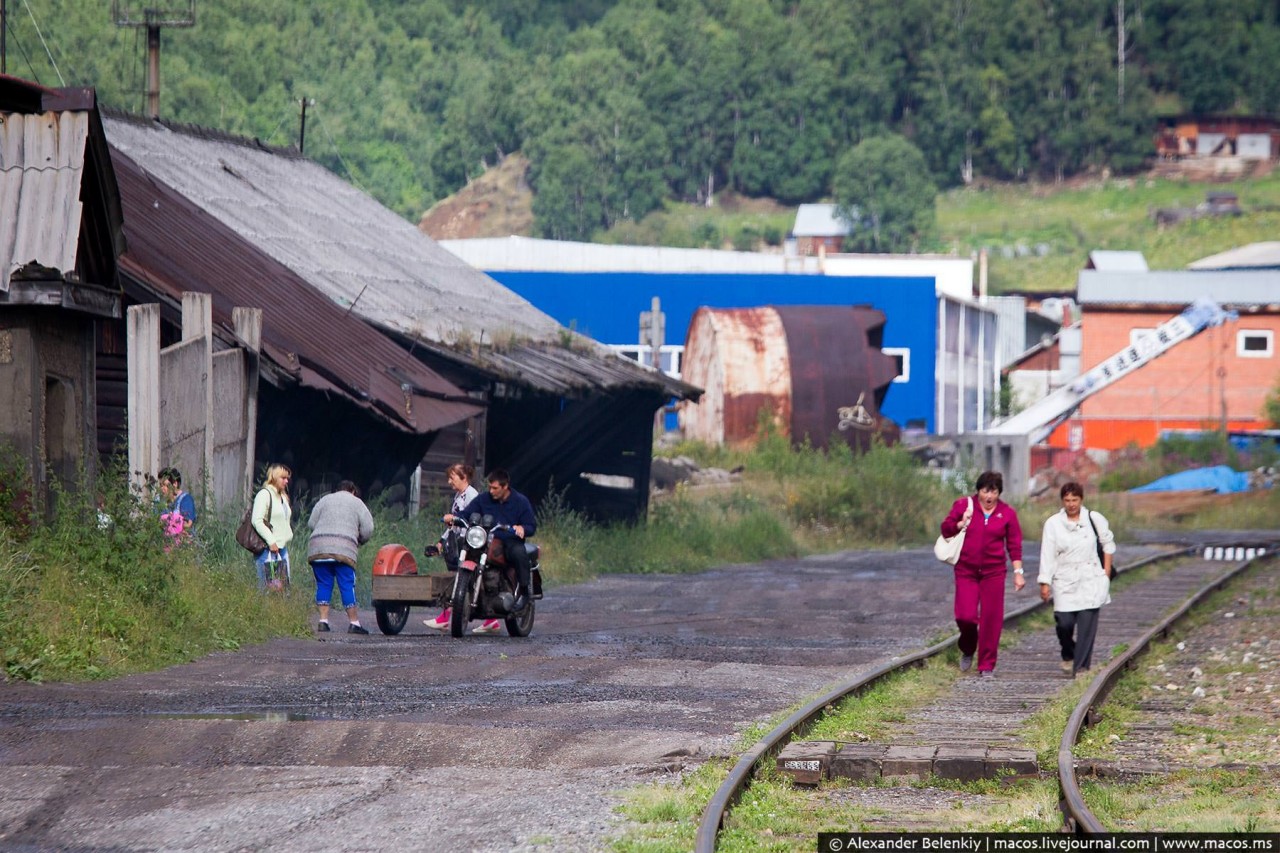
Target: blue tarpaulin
(1221,478)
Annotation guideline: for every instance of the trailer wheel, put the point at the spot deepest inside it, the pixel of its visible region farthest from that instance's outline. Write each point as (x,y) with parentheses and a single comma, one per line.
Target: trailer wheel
(391,617)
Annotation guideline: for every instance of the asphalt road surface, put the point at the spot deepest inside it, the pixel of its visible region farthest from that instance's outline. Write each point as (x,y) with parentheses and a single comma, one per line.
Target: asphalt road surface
(421,741)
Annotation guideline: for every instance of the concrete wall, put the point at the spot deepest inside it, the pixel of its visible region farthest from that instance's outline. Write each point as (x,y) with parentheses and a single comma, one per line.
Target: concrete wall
(1010,455)
(190,408)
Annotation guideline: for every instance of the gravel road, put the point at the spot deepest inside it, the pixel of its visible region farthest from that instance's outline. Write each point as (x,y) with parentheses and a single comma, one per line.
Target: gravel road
(420,741)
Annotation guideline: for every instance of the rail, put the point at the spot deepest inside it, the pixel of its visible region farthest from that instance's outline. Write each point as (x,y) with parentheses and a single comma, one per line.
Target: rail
(798,723)
(1079,818)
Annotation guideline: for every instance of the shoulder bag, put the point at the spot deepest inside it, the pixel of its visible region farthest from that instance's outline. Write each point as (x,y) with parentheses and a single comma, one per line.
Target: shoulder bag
(1097,542)
(948,549)
(247,537)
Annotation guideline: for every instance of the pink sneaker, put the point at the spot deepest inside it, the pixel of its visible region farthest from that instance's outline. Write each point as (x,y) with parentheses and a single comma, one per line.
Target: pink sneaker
(441,622)
(489,627)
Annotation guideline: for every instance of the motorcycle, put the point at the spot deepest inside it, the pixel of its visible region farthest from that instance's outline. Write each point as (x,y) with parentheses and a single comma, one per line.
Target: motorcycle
(480,586)
(484,585)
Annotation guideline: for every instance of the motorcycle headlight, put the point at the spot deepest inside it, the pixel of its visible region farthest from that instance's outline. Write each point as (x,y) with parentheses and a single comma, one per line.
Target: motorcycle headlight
(476,537)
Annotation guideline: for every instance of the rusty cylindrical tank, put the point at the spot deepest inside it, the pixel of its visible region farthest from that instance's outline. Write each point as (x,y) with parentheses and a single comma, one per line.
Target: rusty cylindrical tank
(816,370)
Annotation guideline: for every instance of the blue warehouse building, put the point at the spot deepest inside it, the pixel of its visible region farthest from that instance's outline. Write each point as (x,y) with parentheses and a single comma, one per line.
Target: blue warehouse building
(945,345)
(607,306)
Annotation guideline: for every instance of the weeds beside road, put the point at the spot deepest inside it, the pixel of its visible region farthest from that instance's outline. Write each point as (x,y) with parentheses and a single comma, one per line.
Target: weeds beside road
(81,598)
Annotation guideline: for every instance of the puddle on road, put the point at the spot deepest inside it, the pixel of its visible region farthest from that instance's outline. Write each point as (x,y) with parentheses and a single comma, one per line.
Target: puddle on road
(247,716)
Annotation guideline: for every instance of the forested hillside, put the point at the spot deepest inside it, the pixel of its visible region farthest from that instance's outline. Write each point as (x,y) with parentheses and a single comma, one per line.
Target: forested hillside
(620,105)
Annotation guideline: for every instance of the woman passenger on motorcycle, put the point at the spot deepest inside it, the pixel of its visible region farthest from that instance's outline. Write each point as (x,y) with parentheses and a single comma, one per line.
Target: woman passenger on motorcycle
(459,477)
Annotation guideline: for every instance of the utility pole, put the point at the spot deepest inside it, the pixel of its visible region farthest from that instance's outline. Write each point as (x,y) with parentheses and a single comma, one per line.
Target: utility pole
(153,65)
(653,327)
(302,124)
(4,28)
(153,16)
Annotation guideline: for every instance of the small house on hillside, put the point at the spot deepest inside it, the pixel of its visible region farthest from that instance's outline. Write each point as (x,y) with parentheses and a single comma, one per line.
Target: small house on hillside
(819,230)
(60,235)
(1245,137)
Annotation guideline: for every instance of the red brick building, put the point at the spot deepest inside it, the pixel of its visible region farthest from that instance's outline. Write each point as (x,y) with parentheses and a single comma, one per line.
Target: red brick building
(1220,378)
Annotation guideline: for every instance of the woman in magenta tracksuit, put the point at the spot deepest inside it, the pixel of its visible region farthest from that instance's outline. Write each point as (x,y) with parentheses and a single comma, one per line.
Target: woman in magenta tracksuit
(993,530)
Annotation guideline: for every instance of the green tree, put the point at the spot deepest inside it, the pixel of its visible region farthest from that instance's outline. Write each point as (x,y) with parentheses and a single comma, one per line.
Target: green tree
(1271,406)
(883,188)
(996,151)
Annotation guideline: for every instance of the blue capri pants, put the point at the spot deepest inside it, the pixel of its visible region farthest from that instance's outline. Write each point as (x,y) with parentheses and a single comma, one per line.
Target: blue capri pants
(326,571)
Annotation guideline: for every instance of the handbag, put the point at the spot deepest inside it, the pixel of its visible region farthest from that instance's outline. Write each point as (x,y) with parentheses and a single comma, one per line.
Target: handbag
(247,536)
(948,549)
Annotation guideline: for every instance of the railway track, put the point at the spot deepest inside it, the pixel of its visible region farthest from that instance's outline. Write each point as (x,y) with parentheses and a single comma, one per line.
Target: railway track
(1078,816)
(990,713)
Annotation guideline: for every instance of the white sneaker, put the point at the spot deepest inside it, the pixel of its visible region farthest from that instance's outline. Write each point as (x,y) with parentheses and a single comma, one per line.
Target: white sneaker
(490,626)
(1067,666)
(440,623)
(966,662)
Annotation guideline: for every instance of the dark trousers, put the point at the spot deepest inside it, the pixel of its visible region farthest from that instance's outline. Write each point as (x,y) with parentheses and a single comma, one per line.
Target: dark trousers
(518,556)
(1084,625)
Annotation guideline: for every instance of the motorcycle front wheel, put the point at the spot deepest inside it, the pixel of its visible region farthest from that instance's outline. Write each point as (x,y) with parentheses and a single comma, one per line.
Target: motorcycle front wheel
(391,617)
(520,626)
(460,613)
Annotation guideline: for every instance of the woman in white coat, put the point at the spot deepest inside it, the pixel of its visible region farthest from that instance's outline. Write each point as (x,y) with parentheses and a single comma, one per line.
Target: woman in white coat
(1072,574)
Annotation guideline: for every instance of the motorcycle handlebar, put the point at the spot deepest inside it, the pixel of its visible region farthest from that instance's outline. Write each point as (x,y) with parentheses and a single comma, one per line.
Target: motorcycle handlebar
(460,522)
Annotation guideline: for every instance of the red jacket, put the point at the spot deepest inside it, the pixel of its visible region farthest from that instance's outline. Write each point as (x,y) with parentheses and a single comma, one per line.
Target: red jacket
(987,539)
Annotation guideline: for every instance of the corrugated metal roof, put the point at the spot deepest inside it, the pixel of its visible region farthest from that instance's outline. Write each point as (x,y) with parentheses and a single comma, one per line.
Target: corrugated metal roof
(1109,260)
(819,220)
(360,254)
(1011,325)
(527,254)
(41,167)
(174,246)
(1178,287)
(1254,255)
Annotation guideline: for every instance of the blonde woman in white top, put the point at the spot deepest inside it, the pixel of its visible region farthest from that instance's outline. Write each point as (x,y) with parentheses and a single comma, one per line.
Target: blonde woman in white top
(1073,576)
(272,515)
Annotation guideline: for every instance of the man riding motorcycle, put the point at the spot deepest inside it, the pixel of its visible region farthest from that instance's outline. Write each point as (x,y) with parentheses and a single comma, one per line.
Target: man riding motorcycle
(507,507)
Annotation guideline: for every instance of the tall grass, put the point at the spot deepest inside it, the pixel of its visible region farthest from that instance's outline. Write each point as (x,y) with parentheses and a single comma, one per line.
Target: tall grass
(84,600)
(98,591)
(1132,466)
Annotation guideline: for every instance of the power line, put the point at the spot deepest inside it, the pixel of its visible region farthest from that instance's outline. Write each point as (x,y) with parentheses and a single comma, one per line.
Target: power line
(47,52)
(283,119)
(341,160)
(25,55)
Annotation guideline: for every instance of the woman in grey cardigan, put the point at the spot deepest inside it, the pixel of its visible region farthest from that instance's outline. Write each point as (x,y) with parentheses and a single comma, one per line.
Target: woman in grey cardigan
(340,524)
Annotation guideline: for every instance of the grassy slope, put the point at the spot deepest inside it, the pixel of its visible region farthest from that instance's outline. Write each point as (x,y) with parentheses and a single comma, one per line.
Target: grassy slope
(1073,220)
(1038,236)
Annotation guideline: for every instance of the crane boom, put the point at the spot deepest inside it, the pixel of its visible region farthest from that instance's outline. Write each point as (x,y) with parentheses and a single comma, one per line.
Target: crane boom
(1040,419)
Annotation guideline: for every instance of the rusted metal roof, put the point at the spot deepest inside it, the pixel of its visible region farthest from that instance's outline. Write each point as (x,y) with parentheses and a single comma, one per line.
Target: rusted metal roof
(370,261)
(175,246)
